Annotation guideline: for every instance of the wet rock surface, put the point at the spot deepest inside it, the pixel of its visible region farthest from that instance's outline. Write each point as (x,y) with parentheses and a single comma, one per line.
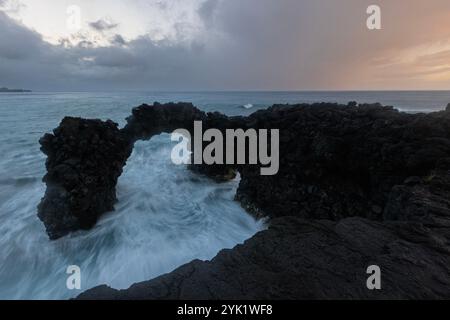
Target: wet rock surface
(358,185)
(300,258)
(305,259)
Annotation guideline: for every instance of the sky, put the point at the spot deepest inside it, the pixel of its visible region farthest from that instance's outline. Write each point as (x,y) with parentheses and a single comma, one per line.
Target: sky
(48,45)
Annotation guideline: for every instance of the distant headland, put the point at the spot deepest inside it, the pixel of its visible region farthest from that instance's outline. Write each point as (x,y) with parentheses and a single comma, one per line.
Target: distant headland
(4,89)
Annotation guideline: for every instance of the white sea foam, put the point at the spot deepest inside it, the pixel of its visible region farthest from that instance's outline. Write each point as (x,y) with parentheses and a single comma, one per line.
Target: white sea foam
(166,216)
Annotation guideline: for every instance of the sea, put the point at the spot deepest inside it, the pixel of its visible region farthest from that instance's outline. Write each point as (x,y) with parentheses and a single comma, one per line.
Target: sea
(166,215)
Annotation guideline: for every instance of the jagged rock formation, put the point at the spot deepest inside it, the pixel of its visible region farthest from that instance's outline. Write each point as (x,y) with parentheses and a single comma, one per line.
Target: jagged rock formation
(339,161)
(358,185)
(309,259)
(321,259)
(84,160)
(86,157)
(147,121)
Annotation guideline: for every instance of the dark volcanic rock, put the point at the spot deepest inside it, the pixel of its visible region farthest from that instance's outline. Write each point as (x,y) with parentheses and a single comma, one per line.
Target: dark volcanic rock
(85,159)
(321,259)
(305,259)
(358,185)
(338,161)
(147,121)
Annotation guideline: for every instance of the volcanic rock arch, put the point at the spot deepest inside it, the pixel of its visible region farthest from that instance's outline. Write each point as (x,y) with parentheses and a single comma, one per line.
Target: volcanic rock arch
(335,160)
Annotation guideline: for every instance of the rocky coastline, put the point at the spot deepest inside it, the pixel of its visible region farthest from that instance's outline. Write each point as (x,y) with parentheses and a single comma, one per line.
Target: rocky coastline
(358,185)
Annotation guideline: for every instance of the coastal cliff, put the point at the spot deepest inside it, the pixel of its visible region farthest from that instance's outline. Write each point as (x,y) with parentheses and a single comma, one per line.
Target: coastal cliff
(358,185)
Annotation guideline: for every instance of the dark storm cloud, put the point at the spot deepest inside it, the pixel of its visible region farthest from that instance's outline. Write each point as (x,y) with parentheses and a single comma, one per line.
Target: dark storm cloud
(28,61)
(17,42)
(246,44)
(228,56)
(25,59)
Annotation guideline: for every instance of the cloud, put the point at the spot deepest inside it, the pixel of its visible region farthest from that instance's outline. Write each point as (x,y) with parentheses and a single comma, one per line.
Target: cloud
(242,45)
(17,41)
(118,40)
(431,60)
(103,25)
(207,11)
(11,6)
(28,61)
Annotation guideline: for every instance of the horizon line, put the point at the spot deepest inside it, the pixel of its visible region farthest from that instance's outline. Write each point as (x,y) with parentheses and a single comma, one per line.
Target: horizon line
(234,91)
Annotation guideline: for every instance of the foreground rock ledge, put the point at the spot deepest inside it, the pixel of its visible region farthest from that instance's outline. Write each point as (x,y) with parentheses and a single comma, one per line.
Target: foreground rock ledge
(358,185)
(322,259)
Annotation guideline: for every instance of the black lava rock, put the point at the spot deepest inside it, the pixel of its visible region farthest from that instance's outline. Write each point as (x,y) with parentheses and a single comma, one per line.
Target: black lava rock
(321,259)
(85,159)
(358,185)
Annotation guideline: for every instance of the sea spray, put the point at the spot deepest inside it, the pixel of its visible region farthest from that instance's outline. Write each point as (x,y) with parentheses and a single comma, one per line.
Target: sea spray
(166,216)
